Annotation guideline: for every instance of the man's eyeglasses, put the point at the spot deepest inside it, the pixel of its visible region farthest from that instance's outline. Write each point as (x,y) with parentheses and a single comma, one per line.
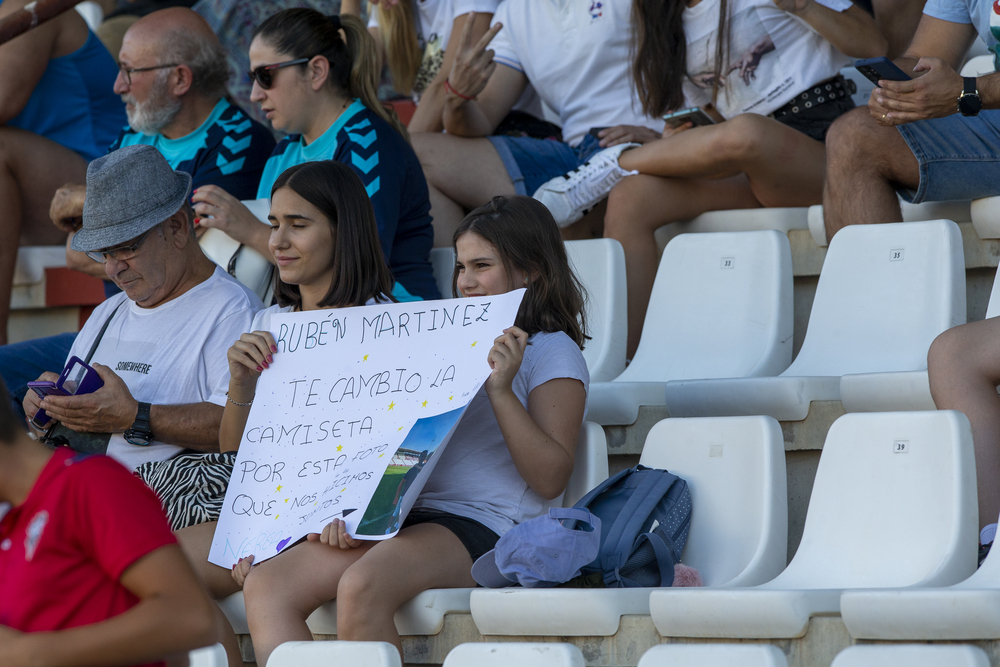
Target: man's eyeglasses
(127,71)
(264,76)
(119,253)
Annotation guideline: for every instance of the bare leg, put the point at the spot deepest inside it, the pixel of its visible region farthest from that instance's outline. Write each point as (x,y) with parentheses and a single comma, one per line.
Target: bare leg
(640,205)
(32,168)
(964,368)
(465,172)
(196,542)
(447,217)
(865,163)
(420,557)
(785,166)
(281,593)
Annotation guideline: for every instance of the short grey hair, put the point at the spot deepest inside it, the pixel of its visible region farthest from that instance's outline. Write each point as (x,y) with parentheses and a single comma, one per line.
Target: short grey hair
(206,58)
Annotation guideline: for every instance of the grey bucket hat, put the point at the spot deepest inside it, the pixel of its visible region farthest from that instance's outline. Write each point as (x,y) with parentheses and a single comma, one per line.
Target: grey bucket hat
(129,191)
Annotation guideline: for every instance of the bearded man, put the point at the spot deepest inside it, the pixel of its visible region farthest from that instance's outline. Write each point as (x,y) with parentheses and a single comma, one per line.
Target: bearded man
(172,77)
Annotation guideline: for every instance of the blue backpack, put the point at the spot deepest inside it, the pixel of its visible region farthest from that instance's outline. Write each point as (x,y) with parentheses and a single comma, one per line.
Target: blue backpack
(635,552)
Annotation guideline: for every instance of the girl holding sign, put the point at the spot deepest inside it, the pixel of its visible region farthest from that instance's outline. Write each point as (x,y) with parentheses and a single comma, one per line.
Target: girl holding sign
(325,243)
(509,459)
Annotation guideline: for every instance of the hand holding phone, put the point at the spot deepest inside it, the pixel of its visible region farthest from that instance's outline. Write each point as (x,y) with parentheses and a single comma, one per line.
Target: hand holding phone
(880,69)
(695,115)
(77,378)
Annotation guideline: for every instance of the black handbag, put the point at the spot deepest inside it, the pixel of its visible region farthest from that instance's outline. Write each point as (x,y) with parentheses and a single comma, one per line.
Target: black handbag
(85,443)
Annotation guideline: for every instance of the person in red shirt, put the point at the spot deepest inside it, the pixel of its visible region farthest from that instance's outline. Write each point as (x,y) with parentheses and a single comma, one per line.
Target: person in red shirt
(90,573)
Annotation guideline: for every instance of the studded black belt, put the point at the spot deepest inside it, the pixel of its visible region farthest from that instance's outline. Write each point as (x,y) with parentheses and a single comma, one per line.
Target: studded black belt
(822,93)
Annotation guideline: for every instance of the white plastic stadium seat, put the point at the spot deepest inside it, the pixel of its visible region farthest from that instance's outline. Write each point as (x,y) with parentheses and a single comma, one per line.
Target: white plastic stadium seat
(591,466)
(986,217)
(736,220)
(424,614)
(443,265)
(993,307)
(721,307)
(599,264)
(735,468)
(507,655)
(912,655)
(713,655)
(978,65)
(893,505)
(92,13)
(958,210)
(210,656)
(885,292)
(323,654)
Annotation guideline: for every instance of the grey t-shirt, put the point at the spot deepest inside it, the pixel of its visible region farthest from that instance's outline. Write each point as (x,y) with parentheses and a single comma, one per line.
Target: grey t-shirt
(476,477)
(980,13)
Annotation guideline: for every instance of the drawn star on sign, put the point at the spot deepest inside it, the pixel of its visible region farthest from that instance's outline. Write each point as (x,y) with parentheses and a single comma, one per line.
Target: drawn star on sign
(474,343)
(339,447)
(424,404)
(365,358)
(278,490)
(392,405)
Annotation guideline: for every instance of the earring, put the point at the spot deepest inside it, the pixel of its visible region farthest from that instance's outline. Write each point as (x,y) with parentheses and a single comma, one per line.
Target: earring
(525,281)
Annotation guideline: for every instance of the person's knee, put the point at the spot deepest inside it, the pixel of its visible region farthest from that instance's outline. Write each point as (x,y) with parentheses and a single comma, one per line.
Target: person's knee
(739,139)
(359,597)
(952,355)
(855,141)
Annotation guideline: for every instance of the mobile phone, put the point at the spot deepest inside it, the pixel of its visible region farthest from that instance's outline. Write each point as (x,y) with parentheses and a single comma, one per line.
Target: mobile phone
(880,69)
(596,131)
(695,115)
(77,378)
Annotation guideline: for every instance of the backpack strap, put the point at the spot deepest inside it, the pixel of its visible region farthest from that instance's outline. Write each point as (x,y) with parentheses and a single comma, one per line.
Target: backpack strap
(666,558)
(600,488)
(622,535)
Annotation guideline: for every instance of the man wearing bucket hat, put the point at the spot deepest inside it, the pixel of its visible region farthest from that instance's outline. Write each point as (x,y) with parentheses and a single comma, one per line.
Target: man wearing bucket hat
(160,346)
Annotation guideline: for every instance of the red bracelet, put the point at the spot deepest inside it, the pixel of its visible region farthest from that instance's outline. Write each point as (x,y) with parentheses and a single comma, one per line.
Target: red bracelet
(450,89)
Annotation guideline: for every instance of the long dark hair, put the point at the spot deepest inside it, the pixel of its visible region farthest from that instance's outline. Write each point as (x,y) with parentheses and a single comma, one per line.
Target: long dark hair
(355,66)
(359,270)
(527,239)
(659,53)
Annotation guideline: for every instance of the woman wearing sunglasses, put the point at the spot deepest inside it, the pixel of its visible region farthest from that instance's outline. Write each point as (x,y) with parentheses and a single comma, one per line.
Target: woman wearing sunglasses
(315,78)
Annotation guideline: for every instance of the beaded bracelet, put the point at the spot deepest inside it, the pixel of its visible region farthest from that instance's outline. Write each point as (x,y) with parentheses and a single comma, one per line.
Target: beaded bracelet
(242,405)
(451,89)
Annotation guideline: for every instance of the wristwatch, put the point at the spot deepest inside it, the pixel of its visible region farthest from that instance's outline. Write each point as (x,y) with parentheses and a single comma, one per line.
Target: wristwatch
(969,102)
(140,434)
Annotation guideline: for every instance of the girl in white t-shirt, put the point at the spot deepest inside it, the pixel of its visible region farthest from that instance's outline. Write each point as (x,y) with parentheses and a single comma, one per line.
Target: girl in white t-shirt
(508,460)
(414,38)
(770,69)
(324,241)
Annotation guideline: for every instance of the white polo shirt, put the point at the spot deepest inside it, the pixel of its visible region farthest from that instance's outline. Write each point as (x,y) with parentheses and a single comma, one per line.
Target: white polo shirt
(576,54)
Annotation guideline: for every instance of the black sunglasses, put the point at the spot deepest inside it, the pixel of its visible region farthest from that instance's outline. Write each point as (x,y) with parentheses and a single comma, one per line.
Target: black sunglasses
(265,78)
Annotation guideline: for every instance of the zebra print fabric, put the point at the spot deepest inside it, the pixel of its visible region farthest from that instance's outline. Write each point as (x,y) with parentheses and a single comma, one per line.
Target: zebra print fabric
(191,487)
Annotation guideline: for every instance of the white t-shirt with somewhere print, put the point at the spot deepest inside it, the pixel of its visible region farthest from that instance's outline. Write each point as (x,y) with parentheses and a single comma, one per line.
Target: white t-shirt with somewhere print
(172,354)
(773,56)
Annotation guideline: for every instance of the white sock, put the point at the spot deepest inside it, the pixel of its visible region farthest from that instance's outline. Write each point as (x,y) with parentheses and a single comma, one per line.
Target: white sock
(987,534)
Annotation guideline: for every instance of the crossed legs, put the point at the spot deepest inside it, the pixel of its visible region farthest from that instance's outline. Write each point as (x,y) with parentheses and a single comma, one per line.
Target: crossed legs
(32,168)
(747,162)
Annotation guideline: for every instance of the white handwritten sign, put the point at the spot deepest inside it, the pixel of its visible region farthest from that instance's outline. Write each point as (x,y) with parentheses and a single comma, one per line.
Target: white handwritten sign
(350,419)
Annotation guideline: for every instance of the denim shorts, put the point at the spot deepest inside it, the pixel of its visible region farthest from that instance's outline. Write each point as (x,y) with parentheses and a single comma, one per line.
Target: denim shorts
(531,162)
(959,156)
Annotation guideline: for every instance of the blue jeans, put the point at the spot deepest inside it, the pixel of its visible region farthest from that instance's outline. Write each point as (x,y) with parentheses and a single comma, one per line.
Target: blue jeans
(531,162)
(958,156)
(21,363)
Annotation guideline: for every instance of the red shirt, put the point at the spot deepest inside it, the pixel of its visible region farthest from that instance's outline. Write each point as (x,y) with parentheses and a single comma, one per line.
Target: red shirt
(63,550)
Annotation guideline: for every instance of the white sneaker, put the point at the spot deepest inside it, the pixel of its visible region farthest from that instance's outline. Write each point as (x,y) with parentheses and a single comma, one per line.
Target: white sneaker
(570,196)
